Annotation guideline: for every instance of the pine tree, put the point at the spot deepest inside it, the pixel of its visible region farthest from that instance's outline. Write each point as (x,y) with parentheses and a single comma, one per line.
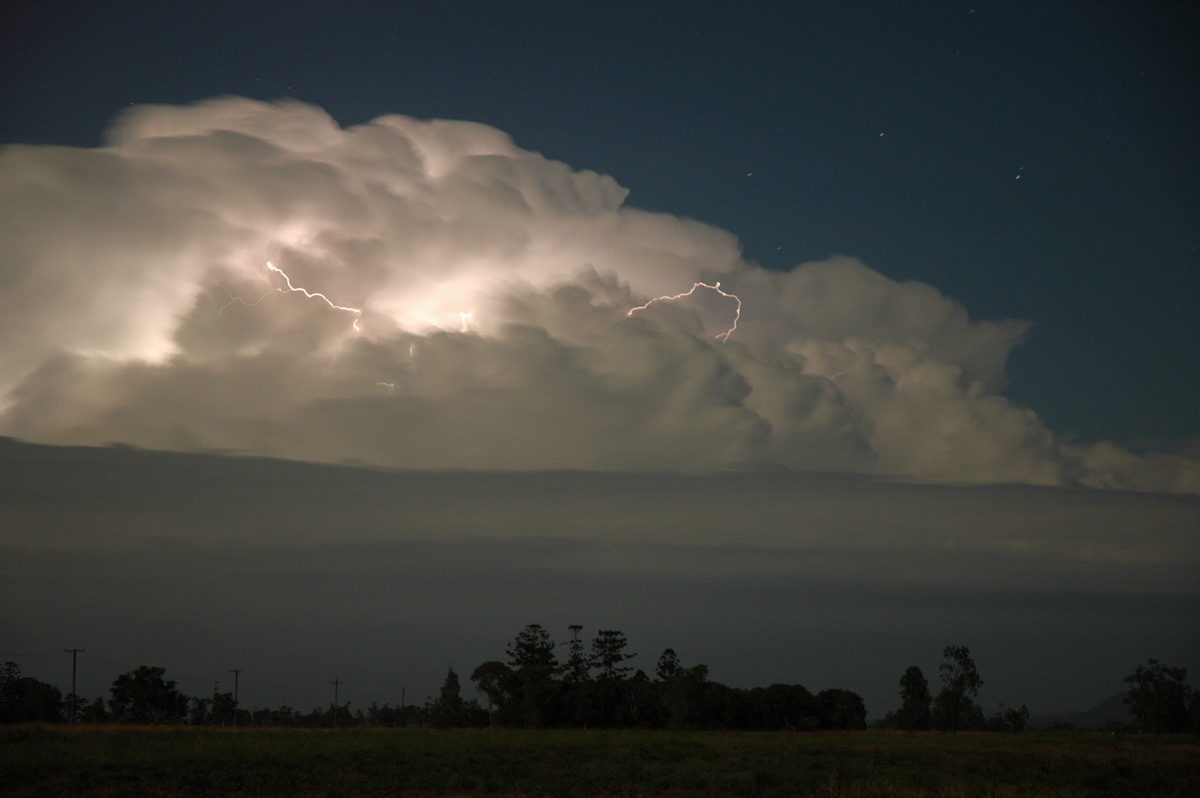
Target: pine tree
(914,701)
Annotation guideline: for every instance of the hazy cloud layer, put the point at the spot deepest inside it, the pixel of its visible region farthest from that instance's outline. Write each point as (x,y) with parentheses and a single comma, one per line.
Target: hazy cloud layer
(298,572)
(473,313)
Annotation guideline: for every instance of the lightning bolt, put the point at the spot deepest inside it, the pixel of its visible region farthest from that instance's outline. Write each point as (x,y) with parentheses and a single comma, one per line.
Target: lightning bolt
(293,288)
(737,315)
(464,319)
(861,359)
(314,295)
(238,299)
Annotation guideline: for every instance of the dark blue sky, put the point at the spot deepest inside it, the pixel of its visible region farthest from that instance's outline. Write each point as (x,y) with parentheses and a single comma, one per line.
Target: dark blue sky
(1030,162)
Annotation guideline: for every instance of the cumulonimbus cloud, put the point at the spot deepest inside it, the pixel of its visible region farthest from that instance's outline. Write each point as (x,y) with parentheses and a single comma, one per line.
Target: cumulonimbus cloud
(466,305)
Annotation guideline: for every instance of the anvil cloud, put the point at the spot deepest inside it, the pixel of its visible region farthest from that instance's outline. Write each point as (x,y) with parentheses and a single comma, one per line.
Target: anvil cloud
(136,306)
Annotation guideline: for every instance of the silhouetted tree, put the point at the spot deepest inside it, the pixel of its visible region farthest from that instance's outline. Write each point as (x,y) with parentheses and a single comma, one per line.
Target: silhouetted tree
(532,692)
(531,654)
(198,712)
(643,705)
(780,706)
(10,694)
(841,709)
(955,708)
(80,704)
(449,710)
(1010,720)
(684,697)
(577,666)
(668,665)
(223,709)
(1158,698)
(914,701)
(491,678)
(340,716)
(94,711)
(608,652)
(25,700)
(143,696)
(283,716)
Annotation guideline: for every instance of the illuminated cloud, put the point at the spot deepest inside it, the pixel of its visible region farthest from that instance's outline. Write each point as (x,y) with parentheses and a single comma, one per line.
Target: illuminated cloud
(136,305)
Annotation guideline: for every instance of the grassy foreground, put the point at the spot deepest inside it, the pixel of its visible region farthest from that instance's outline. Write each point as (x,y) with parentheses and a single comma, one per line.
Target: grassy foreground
(144,761)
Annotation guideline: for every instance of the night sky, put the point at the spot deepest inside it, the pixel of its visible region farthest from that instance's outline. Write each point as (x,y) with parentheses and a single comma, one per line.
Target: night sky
(963,243)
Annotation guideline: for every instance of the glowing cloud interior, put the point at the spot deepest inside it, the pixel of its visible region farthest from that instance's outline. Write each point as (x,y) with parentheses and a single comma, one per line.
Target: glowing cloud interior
(434,296)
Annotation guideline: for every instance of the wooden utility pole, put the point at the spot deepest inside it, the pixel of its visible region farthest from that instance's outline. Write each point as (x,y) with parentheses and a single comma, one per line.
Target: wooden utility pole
(336,681)
(235,672)
(74,652)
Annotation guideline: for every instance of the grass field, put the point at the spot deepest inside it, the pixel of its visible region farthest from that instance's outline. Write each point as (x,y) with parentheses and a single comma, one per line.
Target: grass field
(155,761)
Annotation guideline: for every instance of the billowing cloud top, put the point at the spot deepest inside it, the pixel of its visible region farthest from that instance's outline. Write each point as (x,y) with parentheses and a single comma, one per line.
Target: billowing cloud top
(251,277)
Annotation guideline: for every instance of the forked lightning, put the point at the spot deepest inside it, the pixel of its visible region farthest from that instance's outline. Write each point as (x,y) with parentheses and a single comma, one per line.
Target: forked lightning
(737,314)
(292,288)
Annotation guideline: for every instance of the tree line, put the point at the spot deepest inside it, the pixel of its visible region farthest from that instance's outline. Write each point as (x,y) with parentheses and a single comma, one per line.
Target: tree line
(593,687)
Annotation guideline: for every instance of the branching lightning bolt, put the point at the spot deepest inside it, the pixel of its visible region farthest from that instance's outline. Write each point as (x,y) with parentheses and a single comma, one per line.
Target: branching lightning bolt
(293,288)
(314,294)
(244,303)
(737,315)
(861,359)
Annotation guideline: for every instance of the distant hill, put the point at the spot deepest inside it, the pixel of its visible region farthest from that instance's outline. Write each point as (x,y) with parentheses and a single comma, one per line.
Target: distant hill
(1108,712)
